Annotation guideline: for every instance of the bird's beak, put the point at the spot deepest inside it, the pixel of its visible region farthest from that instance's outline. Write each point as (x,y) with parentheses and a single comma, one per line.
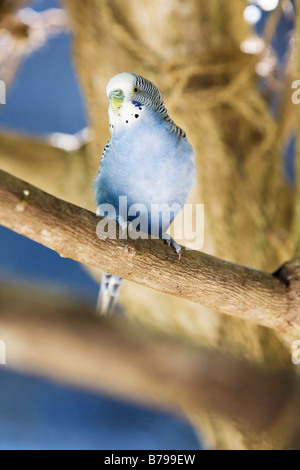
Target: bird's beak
(116,99)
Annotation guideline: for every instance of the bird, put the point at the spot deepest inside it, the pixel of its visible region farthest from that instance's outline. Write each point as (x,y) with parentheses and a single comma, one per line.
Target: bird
(148,159)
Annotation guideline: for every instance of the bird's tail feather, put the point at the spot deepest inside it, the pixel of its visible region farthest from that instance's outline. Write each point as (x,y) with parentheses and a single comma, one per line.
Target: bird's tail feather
(109,293)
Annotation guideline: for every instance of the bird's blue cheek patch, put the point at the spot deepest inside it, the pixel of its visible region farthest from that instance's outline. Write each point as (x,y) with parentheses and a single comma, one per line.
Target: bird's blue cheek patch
(137,104)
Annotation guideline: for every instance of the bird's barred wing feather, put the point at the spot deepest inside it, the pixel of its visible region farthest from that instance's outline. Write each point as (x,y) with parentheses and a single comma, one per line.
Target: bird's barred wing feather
(157,103)
(107,146)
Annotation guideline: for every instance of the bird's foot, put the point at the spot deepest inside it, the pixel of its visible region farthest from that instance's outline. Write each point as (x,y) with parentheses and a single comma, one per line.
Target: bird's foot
(171,242)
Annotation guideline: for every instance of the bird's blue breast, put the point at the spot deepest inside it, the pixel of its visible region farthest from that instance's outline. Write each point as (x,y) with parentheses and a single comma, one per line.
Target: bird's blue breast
(148,164)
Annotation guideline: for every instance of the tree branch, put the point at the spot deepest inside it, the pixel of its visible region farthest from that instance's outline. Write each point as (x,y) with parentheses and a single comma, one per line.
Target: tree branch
(265,299)
(25,31)
(59,338)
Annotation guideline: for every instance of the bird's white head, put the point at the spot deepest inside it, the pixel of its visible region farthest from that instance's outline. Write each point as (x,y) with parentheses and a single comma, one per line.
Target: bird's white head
(120,86)
(129,95)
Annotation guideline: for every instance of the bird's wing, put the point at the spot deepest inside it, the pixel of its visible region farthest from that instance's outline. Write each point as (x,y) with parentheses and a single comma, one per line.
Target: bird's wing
(106,148)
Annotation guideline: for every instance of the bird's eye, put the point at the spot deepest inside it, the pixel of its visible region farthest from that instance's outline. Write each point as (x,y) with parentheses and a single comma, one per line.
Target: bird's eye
(135,90)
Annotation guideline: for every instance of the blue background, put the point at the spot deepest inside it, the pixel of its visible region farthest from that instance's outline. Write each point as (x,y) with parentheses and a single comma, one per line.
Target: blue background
(38,414)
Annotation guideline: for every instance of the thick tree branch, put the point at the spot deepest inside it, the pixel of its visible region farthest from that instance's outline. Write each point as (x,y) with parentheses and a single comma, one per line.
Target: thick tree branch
(268,300)
(59,338)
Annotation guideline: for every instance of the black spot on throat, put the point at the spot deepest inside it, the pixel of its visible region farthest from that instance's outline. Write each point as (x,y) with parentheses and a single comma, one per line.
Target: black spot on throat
(137,116)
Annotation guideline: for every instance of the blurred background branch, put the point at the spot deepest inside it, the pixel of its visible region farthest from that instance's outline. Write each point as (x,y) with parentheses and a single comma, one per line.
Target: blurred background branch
(23,31)
(59,338)
(57,163)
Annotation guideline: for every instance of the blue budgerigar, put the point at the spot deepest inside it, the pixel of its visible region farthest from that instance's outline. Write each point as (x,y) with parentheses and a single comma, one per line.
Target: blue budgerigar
(148,159)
